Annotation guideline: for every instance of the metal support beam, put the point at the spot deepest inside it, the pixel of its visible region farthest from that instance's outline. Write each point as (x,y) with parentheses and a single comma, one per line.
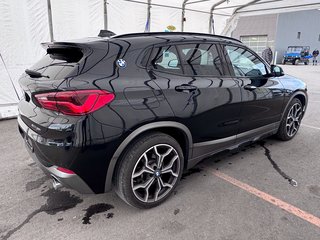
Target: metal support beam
(183,14)
(198,1)
(174,7)
(148,23)
(186,2)
(14,87)
(239,5)
(105,14)
(232,22)
(245,5)
(50,20)
(315,5)
(211,15)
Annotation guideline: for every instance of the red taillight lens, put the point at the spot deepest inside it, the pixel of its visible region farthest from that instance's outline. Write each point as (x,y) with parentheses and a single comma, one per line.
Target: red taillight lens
(78,102)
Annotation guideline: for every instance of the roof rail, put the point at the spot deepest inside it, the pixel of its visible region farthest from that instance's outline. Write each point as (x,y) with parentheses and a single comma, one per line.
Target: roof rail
(172,34)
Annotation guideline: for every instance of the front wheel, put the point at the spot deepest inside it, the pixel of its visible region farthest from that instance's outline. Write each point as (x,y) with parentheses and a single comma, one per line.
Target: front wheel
(295,62)
(149,170)
(290,123)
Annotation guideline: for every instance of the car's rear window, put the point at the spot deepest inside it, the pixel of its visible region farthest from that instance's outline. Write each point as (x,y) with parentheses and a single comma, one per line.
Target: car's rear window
(59,63)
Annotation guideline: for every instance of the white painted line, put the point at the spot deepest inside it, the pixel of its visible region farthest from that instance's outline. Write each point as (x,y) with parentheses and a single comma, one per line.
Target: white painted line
(309,126)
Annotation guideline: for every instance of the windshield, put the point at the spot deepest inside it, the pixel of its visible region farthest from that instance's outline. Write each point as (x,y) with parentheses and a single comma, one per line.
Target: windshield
(294,49)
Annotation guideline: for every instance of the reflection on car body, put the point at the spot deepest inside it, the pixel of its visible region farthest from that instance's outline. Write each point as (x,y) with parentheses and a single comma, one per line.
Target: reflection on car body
(94,122)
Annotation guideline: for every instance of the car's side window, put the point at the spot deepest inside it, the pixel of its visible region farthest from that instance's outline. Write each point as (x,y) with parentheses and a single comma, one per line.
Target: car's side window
(166,59)
(244,63)
(200,59)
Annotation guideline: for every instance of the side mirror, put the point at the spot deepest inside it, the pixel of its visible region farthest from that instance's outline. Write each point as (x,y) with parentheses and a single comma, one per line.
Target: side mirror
(276,71)
(173,63)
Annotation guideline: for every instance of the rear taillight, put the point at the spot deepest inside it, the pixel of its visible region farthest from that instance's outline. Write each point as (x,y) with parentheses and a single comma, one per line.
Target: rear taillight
(75,103)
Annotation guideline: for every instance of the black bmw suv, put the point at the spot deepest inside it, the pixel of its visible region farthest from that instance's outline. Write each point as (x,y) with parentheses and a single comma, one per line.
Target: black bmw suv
(134,111)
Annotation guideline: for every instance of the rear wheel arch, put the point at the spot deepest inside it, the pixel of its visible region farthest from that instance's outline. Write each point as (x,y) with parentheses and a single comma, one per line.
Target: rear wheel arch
(174,129)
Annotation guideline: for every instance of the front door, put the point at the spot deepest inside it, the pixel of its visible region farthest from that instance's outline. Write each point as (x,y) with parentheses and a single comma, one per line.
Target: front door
(262,94)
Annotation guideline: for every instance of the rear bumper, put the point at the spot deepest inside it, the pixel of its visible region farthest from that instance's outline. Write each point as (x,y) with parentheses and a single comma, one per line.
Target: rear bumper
(67,180)
(72,181)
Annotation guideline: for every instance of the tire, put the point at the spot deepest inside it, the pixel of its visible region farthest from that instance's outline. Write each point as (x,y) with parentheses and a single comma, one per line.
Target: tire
(291,120)
(306,63)
(140,179)
(295,62)
(284,61)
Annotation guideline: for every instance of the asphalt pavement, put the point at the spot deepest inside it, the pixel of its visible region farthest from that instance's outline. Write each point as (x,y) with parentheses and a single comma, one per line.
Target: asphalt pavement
(247,194)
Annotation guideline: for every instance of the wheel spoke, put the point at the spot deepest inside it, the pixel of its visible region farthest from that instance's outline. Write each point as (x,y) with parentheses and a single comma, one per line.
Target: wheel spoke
(156,195)
(170,171)
(161,156)
(146,163)
(165,184)
(169,166)
(299,115)
(290,115)
(147,190)
(144,185)
(156,151)
(143,170)
(298,108)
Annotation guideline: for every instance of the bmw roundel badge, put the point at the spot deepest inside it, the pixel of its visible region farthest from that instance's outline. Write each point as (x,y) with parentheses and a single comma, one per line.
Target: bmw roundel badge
(121,63)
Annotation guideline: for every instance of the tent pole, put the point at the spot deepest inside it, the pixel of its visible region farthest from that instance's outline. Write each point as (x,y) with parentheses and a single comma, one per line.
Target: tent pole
(245,5)
(50,20)
(277,8)
(148,16)
(105,14)
(235,6)
(211,27)
(174,7)
(5,66)
(232,23)
(183,14)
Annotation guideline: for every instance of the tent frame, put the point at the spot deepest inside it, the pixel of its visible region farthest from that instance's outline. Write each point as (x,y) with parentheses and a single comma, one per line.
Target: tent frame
(238,9)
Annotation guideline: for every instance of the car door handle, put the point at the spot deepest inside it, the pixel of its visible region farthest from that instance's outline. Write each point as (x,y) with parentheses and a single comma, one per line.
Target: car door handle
(250,87)
(185,88)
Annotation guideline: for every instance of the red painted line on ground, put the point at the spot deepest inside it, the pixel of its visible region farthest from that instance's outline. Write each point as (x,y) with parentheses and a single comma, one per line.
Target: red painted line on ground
(271,199)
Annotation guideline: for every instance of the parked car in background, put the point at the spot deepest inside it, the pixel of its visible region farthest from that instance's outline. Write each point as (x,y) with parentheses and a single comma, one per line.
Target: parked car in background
(133,111)
(297,54)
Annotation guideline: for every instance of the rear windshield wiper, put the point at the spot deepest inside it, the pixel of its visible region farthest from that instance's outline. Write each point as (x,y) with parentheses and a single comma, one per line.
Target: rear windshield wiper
(34,74)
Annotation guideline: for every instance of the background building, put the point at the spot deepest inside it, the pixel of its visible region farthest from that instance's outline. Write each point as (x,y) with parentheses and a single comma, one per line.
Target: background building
(279,31)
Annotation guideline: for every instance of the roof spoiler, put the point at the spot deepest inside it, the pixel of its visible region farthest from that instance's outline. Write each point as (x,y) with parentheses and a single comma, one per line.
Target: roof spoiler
(106,33)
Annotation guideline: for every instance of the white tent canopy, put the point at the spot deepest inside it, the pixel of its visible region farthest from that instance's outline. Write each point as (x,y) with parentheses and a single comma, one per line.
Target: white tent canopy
(25,24)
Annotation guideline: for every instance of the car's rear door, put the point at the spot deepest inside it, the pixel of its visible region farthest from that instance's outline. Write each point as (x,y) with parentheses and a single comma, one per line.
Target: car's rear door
(196,84)
(262,94)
